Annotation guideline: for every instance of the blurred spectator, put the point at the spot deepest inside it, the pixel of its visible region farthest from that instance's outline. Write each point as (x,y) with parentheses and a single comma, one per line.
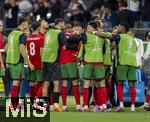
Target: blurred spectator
(1,9)
(65,3)
(96,4)
(12,9)
(75,10)
(125,15)
(113,4)
(95,8)
(41,8)
(55,9)
(121,4)
(30,20)
(145,13)
(25,8)
(110,17)
(134,6)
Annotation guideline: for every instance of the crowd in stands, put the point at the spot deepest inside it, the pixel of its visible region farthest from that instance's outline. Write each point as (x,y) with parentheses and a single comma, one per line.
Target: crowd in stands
(111,12)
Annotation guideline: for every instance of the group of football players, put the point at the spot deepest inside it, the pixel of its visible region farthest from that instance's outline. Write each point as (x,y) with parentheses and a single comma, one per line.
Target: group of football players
(55,53)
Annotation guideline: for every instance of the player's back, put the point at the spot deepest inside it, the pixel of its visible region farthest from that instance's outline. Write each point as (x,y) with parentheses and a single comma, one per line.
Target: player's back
(34,44)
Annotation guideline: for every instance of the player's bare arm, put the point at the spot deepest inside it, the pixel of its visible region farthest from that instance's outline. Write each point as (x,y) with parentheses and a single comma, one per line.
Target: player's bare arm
(24,55)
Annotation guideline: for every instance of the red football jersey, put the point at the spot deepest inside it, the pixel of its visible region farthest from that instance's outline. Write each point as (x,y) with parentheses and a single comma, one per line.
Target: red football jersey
(34,43)
(42,36)
(67,55)
(2,45)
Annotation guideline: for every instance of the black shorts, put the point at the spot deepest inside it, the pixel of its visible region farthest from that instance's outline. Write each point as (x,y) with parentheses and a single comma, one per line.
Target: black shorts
(51,71)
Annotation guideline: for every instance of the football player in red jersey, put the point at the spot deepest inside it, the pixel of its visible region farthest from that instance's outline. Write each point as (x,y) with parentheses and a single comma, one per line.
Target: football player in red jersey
(34,47)
(43,26)
(42,31)
(68,61)
(4,74)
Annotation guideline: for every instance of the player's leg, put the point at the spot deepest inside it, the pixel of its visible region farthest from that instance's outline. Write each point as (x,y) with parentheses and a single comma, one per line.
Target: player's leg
(32,91)
(47,75)
(56,78)
(95,97)
(51,102)
(41,93)
(15,93)
(76,93)
(38,87)
(87,76)
(40,84)
(64,76)
(108,78)
(131,76)
(91,99)
(85,94)
(99,76)
(17,73)
(132,94)
(73,75)
(100,95)
(56,96)
(121,77)
(6,80)
(45,88)
(64,94)
(23,87)
(147,104)
(108,82)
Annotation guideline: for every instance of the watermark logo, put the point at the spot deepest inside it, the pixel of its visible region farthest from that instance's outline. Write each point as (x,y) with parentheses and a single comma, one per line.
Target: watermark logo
(29,112)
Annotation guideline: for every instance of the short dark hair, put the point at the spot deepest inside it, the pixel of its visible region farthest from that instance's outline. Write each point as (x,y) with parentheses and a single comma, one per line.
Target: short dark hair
(93,24)
(40,20)
(68,24)
(21,20)
(108,6)
(58,20)
(34,26)
(30,19)
(79,24)
(125,25)
(115,27)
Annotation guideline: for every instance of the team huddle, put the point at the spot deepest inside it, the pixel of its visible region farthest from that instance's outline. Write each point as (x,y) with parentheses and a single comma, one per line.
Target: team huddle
(55,54)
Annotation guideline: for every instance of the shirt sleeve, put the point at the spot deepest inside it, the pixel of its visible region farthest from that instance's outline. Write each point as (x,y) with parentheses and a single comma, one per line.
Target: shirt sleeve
(22,39)
(61,38)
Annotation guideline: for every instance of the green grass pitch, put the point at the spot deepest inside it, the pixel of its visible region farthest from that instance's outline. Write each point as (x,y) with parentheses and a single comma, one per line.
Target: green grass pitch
(139,116)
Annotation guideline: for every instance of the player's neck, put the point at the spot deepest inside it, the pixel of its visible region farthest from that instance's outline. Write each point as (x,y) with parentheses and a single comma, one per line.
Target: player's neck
(42,31)
(35,33)
(57,27)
